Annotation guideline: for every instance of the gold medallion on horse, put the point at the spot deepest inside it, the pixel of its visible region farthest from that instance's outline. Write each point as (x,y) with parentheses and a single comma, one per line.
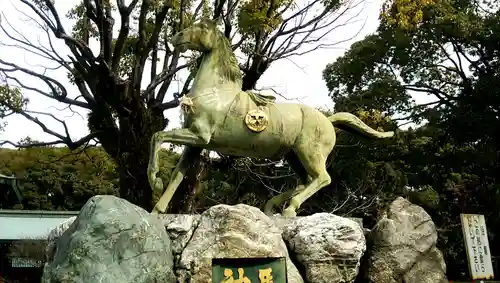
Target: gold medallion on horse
(257,119)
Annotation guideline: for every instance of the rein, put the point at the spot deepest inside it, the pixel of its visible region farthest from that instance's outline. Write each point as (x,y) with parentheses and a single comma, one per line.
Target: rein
(187,104)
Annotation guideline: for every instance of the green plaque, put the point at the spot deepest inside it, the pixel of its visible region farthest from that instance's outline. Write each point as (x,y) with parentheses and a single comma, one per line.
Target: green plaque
(249,270)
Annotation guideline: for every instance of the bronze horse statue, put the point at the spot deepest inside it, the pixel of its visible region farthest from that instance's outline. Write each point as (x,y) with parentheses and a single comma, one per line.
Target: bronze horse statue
(219,116)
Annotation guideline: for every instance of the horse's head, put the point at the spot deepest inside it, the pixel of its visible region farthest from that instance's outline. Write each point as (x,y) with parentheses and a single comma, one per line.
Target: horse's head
(200,37)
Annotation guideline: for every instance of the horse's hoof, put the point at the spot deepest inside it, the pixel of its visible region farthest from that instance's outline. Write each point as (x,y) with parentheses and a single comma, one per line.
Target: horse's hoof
(156,211)
(289,213)
(268,211)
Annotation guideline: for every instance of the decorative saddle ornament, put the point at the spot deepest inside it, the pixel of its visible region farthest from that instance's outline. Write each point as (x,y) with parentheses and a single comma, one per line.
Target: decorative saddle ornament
(257,119)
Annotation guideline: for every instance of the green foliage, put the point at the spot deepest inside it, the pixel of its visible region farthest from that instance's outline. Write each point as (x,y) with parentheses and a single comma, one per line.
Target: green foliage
(448,50)
(426,197)
(41,4)
(260,15)
(363,79)
(206,11)
(56,178)
(128,56)
(332,4)
(82,26)
(405,13)
(11,101)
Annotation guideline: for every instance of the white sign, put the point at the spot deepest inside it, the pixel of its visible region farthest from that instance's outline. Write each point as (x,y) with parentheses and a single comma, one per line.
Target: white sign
(477,246)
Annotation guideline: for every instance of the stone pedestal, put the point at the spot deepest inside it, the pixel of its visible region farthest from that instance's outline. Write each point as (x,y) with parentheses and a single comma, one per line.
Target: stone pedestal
(112,240)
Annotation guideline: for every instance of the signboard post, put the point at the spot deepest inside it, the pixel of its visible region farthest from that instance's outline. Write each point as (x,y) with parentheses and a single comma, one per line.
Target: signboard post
(477,246)
(249,270)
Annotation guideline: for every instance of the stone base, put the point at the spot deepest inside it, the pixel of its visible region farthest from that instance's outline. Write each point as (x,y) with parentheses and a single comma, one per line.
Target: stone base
(113,240)
(108,239)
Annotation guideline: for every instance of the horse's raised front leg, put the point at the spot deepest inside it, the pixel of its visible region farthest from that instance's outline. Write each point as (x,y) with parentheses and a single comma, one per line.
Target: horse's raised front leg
(181,137)
(190,157)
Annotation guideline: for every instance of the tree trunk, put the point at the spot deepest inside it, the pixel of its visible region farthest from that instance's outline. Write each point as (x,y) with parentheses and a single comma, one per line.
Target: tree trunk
(134,184)
(129,146)
(254,73)
(184,199)
(195,185)
(134,153)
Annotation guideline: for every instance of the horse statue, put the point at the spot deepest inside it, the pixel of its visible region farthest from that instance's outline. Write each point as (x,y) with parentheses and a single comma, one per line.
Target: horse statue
(219,116)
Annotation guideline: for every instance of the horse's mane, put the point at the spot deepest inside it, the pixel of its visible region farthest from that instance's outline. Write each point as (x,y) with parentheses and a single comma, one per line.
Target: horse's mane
(225,58)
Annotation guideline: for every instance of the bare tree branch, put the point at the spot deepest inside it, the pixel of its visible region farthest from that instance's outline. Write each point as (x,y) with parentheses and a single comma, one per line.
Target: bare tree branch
(61,139)
(83,61)
(318,24)
(124,30)
(303,31)
(58,91)
(79,49)
(45,52)
(279,94)
(28,46)
(153,42)
(166,74)
(175,58)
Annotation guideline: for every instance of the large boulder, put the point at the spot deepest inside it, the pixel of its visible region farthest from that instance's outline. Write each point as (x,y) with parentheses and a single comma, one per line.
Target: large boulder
(180,229)
(429,268)
(112,240)
(328,247)
(238,231)
(401,247)
(54,234)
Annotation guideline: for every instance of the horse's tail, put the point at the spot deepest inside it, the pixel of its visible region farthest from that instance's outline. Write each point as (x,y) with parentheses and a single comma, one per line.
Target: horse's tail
(349,122)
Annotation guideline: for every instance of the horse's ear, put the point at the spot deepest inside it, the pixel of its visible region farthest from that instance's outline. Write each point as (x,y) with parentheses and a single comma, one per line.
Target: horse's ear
(208,22)
(217,21)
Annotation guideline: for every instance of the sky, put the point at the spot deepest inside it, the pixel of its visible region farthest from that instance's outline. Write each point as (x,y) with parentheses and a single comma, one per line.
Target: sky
(297,78)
